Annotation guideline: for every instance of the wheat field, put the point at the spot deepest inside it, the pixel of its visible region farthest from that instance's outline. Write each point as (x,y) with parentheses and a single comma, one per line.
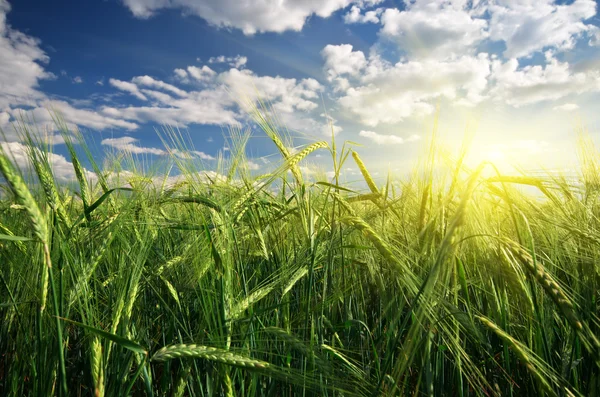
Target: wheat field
(449,281)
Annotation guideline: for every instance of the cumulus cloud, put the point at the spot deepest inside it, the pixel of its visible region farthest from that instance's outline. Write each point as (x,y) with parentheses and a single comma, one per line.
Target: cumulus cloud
(212,101)
(199,107)
(21,64)
(435,28)
(131,145)
(194,73)
(77,80)
(443,28)
(46,109)
(382,139)
(61,168)
(128,144)
(250,16)
(128,87)
(285,95)
(342,60)
(201,74)
(251,165)
(355,15)
(530,84)
(528,26)
(151,82)
(386,93)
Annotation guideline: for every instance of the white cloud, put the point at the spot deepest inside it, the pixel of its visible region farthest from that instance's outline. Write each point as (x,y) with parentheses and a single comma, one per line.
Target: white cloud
(61,168)
(341,60)
(250,16)
(5,122)
(314,172)
(567,107)
(181,74)
(367,3)
(159,96)
(382,139)
(536,83)
(308,125)
(202,155)
(21,65)
(356,16)
(529,26)
(327,129)
(445,28)
(128,144)
(285,95)
(77,80)
(386,93)
(237,61)
(212,106)
(151,82)
(252,166)
(435,28)
(203,74)
(128,87)
(594,34)
(42,115)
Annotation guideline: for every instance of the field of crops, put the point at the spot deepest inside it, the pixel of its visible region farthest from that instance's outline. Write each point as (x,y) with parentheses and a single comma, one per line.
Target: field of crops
(450,281)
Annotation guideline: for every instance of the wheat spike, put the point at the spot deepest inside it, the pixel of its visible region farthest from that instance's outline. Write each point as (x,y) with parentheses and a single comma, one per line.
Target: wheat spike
(38,220)
(208,353)
(294,279)
(97,368)
(551,287)
(519,350)
(239,308)
(41,164)
(378,242)
(305,152)
(365,173)
(24,198)
(179,388)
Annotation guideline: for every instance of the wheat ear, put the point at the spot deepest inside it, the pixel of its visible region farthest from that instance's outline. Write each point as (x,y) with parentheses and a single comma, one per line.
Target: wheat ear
(38,220)
(208,353)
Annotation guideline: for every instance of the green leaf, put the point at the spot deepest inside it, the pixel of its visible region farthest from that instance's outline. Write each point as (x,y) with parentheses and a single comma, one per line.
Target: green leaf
(97,203)
(334,186)
(14,238)
(119,340)
(358,247)
(88,210)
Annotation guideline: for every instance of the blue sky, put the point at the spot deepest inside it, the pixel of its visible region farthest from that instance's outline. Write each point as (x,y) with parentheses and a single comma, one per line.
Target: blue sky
(521,73)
